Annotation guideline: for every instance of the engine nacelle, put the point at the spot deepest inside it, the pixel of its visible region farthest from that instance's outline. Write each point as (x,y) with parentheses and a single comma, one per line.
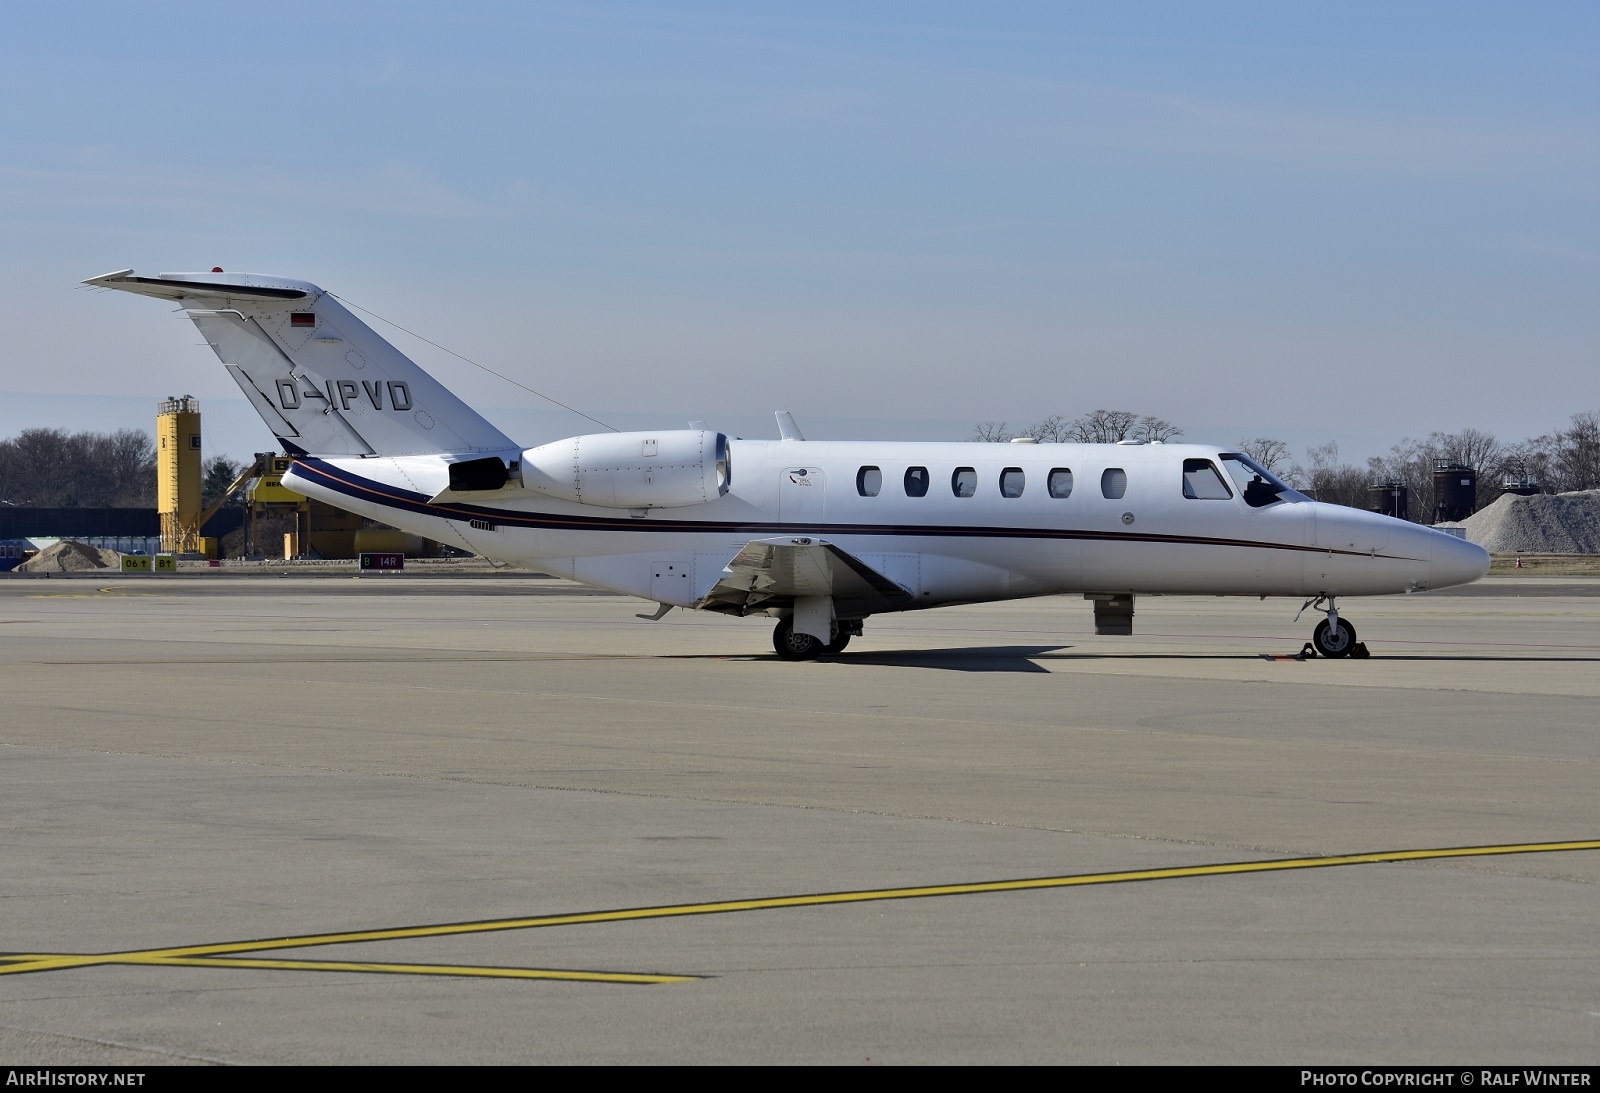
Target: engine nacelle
(660,470)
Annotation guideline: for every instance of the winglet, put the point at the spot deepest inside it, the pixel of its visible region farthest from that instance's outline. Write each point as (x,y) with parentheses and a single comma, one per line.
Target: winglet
(787,429)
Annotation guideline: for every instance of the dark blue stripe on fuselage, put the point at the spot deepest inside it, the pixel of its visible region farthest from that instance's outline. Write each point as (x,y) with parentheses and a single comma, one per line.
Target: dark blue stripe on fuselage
(351,485)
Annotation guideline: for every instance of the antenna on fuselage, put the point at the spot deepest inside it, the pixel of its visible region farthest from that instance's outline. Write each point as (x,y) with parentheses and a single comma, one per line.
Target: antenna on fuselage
(787,429)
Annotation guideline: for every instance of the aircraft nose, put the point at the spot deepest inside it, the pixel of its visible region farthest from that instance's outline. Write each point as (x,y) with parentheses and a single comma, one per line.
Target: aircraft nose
(1455,561)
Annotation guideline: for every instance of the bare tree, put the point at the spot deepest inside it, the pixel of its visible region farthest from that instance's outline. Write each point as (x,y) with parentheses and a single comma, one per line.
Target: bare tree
(54,468)
(11,479)
(1110,426)
(1471,448)
(37,469)
(1530,462)
(1271,453)
(1410,463)
(1095,427)
(1577,452)
(127,460)
(1337,483)
(1054,429)
(1476,449)
(991,432)
(1158,430)
(1102,427)
(1566,459)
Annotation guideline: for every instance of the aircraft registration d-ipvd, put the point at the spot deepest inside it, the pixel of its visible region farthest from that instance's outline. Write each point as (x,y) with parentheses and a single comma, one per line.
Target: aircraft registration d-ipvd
(818,535)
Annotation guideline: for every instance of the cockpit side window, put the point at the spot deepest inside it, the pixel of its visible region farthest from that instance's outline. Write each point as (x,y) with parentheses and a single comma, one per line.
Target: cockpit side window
(1203,482)
(1259,486)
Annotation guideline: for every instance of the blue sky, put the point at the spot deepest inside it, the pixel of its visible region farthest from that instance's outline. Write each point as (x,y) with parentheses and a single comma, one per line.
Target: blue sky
(1319,221)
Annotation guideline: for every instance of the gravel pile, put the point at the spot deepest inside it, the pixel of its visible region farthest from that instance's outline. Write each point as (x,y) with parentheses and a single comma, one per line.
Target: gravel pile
(68,556)
(1560,523)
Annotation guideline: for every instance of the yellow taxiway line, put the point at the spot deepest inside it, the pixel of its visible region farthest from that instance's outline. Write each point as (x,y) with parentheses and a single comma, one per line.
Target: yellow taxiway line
(214,955)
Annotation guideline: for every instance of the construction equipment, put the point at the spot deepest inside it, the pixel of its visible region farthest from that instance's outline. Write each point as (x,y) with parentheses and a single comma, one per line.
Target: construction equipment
(254,470)
(319,529)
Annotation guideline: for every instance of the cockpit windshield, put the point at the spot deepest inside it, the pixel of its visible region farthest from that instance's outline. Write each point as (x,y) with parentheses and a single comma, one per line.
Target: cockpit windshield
(1259,486)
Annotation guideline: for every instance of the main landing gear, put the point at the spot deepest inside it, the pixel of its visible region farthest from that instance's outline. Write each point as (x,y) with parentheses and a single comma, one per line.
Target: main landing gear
(795,646)
(1333,637)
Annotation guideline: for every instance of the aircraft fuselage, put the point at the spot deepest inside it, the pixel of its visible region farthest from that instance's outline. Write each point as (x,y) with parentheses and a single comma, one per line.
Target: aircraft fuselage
(819,535)
(1008,537)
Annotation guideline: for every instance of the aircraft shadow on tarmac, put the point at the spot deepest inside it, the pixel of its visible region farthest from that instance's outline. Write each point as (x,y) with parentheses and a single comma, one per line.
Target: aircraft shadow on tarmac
(1026,658)
(995,658)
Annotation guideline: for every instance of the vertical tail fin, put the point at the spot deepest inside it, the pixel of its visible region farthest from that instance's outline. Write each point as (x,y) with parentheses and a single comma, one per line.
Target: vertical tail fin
(323,381)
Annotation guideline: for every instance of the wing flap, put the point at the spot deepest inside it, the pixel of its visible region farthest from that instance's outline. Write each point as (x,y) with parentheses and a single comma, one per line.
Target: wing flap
(773,573)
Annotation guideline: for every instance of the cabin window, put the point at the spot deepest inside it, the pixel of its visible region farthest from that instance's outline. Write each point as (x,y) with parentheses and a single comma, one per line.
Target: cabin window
(1011,482)
(1113,483)
(1060,483)
(1203,482)
(964,482)
(916,481)
(869,481)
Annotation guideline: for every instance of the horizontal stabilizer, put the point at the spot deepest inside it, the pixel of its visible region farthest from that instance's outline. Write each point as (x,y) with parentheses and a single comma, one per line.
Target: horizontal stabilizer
(177,286)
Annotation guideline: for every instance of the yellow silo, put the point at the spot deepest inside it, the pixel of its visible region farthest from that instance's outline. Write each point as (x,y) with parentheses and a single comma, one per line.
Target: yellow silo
(178,473)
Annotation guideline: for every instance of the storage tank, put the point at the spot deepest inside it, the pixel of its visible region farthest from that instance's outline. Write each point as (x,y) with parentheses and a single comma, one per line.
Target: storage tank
(1455,491)
(178,473)
(1390,498)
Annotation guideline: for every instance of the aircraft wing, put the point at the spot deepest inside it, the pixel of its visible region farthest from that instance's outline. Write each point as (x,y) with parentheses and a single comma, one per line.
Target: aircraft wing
(774,572)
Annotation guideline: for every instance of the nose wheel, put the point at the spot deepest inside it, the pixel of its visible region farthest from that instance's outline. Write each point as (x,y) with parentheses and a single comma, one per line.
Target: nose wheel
(1333,637)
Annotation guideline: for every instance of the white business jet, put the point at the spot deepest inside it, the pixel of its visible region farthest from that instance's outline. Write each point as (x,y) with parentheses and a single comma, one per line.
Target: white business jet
(818,535)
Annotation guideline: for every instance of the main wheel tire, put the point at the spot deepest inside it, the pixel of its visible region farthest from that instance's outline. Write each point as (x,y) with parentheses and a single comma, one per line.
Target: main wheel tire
(1331,642)
(793,646)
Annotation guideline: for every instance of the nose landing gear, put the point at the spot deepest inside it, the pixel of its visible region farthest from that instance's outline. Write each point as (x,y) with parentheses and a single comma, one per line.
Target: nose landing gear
(1333,636)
